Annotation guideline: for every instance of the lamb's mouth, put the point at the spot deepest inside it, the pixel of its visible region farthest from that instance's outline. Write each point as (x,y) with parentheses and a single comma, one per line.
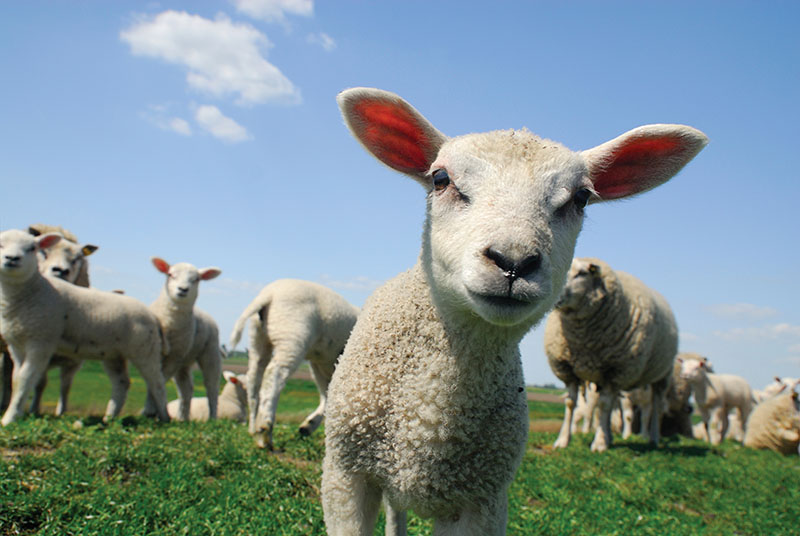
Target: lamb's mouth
(504,302)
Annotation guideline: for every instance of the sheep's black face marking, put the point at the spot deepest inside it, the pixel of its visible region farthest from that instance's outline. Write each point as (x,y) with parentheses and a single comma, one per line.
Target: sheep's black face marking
(441,180)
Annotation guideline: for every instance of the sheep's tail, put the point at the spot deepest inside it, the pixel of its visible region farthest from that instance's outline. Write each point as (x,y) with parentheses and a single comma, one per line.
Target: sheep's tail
(260,306)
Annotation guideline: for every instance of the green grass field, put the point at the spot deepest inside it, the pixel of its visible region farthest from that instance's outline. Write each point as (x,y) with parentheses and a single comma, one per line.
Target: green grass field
(73,475)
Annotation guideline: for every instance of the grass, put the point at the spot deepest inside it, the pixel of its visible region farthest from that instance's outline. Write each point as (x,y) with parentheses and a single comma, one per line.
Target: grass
(76,476)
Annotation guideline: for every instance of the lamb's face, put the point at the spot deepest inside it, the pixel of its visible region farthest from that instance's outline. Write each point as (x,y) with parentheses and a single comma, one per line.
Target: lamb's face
(235,387)
(65,260)
(18,253)
(183,281)
(693,369)
(504,212)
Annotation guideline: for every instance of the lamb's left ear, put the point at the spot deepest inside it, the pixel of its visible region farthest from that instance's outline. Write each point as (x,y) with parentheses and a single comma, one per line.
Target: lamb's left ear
(160,264)
(47,240)
(88,249)
(209,273)
(641,159)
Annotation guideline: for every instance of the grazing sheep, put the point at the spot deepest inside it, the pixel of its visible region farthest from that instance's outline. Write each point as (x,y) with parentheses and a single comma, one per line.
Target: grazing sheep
(291,320)
(427,408)
(716,395)
(191,334)
(65,260)
(232,402)
(775,424)
(610,329)
(41,316)
(677,418)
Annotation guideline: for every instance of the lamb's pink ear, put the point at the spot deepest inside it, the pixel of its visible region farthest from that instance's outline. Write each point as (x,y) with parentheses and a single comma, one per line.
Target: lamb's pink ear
(161,265)
(641,159)
(209,273)
(392,130)
(48,240)
(230,376)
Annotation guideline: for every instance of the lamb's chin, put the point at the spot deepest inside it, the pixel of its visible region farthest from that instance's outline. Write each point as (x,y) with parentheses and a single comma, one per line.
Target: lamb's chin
(505,311)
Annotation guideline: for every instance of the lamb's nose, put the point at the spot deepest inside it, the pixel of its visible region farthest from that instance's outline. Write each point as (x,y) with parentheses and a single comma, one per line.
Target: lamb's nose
(514,269)
(60,272)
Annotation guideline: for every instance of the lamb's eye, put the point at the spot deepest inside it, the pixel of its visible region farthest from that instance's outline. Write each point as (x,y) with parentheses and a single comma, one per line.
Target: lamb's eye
(582,197)
(440,180)
(30,249)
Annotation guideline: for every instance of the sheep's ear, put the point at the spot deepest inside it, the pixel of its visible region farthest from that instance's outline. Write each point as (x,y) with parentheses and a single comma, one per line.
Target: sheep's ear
(679,359)
(392,130)
(778,379)
(88,249)
(160,264)
(594,269)
(641,159)
(229,376)
(209,273)
(47,240)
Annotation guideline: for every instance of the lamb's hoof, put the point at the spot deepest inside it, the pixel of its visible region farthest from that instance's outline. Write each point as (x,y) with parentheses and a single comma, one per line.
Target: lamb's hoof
(263,441)
(561,443)
(305,431)
(599,446)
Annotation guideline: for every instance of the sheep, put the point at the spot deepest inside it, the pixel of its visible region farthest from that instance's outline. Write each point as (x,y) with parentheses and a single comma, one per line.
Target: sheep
(677,418)
(427,408)
(192,335)
(232,401)
(775,424)
(291,320)
(42,316)
(611,329)
(716,395)
(640,398)
(777,386)
(66,260)
(586,408)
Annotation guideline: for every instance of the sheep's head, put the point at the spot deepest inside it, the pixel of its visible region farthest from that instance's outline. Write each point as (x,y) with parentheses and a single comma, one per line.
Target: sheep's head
(504,208)
(235,384)
(64,260)
(589,281)
(183,280)
(18,249)
(694,369)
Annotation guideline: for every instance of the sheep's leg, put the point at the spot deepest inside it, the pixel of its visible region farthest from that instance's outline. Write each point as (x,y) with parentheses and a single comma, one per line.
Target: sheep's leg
(565,434)
(38,393)
(150,369)
(396,524)
(657,408)
(322,377)
(349,504)
(7,371)
(117,370)
(646,423)
(259,358)
(602,438)
(68,371)
(185,384)
(627,415)
(26,373)
(285,361)
(487,519)
(715,425)
(210,363)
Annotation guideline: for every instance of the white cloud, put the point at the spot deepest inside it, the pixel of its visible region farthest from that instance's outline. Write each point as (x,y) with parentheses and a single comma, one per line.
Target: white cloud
(360,283)
(158,116)
(222,57)
(746,310)
(212,120)
(274,10)
(181,126)
(322,39)
(753,334)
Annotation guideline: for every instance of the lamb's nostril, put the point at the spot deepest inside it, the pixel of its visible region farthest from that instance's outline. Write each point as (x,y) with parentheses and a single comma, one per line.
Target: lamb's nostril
(502,262)
(529,265)
(514,269)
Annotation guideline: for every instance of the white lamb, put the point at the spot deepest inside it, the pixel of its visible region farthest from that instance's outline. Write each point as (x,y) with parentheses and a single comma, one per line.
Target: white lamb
(191,334)
(716,395)
(66,260)
(291,320)
(232,402)
(610,329)
(779,385)
(775,424)
(427,408)
(40,317)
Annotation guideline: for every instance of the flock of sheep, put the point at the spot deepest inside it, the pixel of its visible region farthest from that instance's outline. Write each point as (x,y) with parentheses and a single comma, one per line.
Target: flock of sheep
(427,407)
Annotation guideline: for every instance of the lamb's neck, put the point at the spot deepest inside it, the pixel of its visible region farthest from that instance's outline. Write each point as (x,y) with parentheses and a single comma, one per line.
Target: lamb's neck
(175,314)
(15,294)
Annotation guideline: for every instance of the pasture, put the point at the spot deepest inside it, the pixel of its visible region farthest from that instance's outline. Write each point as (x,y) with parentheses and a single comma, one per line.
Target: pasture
(76,476)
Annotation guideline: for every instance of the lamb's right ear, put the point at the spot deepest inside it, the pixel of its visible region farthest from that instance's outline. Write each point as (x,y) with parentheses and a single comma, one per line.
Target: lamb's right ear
(47,240)
(88,249)
(161,265)
(392,130)
(229,376)
(641,159)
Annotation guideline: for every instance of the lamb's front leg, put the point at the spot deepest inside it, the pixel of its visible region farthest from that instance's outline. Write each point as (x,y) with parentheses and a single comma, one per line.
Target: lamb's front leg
(349,504)
(30,364)
(565,434)
(602,438)
(486,519)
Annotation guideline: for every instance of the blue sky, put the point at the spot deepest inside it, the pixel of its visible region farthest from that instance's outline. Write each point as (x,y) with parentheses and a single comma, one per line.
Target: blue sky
(207,132)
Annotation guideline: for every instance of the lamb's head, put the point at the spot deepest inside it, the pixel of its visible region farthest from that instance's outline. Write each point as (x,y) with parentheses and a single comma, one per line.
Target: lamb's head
(183,280)
(694,368)
(234,388)
(589,282)
(504,208)
(18,251)
(64,260)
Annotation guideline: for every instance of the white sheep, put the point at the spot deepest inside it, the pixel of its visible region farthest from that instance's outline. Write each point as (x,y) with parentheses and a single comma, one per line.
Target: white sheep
(611,329)
(775,424)
(640,398)
(291,320)
(778,385)
(66,260)
(677,418)
(191,334)
(231,404)
(427,408)
(585,408)
(41,316)
(716,395)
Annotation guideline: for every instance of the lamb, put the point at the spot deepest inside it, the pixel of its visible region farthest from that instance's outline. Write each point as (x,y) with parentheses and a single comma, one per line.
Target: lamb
(641,398)
(291,320)
(192,335)
(777,386)
(232,402)
(716,395)
(610,329)
(40,317)
(427,408)
(66,260)
(677,418)
(775,424)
